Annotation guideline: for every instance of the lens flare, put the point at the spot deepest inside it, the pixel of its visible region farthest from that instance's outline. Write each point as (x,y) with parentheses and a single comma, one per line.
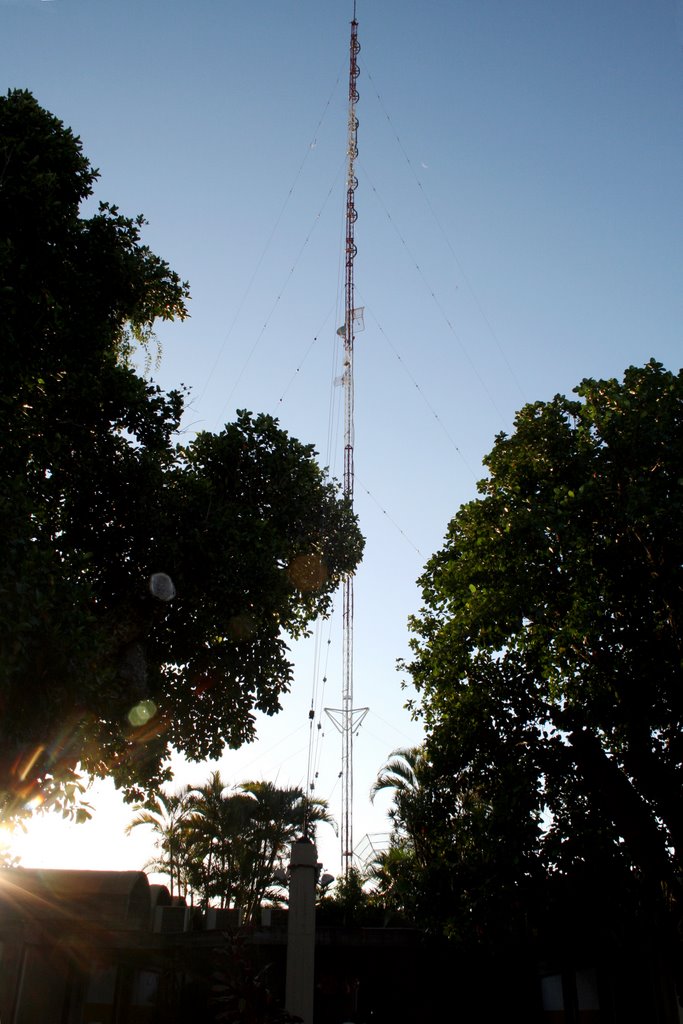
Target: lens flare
(307,572)
(141,713)
(162,586)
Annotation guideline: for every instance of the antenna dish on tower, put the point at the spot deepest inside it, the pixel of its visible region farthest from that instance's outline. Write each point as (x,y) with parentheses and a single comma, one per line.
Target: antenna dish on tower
(357,319)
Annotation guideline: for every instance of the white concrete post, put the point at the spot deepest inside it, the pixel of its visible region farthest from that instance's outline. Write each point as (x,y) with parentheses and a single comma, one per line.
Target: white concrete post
(303,868)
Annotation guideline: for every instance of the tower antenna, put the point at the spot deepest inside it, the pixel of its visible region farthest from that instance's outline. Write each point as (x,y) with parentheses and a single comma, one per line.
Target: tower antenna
(348,719)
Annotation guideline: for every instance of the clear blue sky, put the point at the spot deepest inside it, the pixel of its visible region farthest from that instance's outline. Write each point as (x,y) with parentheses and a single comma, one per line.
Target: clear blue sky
(520,227)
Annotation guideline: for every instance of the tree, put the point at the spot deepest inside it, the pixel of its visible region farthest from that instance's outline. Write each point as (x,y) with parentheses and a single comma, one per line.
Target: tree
(241,993)
(401,775)
(548,660)
(278,816)
(168,816)
(393,870)
(225,843)
(147,588)
(351,899)
(218,842)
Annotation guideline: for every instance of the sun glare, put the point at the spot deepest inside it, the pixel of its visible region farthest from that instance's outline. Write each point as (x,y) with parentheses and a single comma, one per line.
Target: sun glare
(49,841)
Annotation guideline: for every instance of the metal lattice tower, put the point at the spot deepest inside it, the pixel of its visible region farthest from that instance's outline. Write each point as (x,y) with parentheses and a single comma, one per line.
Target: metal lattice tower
(347,719)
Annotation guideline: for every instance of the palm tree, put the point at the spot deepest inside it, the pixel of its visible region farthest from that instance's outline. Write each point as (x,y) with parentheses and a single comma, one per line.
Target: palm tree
(223,842)
(278,816)
(394,870)
(220,826)
(402,774)
(168,814)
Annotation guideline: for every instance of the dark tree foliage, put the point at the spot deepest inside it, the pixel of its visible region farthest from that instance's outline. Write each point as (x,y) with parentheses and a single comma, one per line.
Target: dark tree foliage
(97,665)
(241,994)
(548,659)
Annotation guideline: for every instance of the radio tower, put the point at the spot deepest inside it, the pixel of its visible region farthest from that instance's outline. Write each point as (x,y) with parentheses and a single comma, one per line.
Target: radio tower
(348,719)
